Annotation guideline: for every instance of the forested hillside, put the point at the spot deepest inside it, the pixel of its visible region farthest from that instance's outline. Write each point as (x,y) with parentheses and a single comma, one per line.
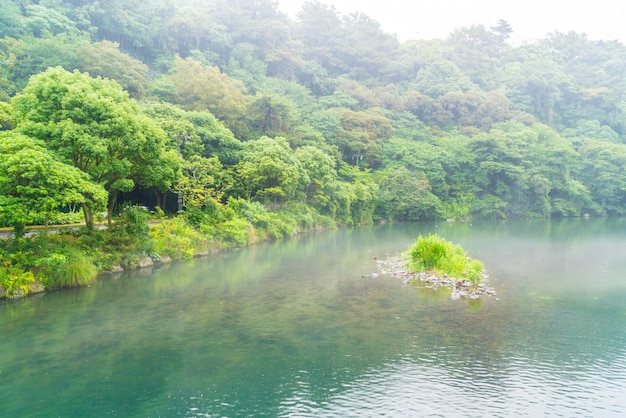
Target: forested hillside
(246,114)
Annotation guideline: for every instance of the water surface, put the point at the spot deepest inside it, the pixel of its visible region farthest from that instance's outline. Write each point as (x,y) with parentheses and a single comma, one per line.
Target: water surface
(293,329)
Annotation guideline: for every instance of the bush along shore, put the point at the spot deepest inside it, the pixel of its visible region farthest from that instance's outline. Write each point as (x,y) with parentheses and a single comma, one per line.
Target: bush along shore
(72,257)
(432,262)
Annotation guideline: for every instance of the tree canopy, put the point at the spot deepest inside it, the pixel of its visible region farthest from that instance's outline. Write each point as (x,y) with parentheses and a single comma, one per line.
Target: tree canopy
(220,101)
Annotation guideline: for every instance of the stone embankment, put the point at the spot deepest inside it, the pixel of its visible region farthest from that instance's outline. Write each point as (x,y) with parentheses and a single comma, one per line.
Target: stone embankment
(395,267)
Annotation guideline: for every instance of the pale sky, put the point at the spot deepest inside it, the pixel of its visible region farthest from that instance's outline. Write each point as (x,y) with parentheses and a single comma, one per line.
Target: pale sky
(530,19)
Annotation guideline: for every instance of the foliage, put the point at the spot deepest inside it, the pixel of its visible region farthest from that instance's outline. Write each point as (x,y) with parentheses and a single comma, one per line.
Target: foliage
(15,281)
(206,88)
(267,126)
(35,184)
(72,270)
(134,221)
(406,196)
(269,171)
(92,124)
(177,239)
(436,254)
(106,60)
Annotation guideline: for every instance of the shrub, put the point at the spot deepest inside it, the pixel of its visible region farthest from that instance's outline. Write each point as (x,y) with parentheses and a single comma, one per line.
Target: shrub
(233,232)
(134,221)
(16,282)
(177,238)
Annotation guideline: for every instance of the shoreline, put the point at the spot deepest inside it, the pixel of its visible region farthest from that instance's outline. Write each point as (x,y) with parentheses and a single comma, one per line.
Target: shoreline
(147,263)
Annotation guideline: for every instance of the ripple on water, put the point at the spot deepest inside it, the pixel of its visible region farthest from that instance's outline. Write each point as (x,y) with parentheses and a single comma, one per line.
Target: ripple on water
(525,388)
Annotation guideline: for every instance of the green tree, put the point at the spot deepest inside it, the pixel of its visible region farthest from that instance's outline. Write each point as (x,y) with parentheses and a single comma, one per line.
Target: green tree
(6,116)
(361,136)
(30,56)
(35,184)
(42,21)
(11,23)
(406,196)
(353,201)
(479,52)
(272,114)
(441,77)
(91,124)
(106,60)
(200,182)
(207,88)
(269,171)
(603,171)
(320,170)
(539,85)
(139,27)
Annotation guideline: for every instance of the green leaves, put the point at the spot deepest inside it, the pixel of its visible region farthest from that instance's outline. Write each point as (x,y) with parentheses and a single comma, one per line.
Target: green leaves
(35,183)
(269,171)
(93,125)
(406,196)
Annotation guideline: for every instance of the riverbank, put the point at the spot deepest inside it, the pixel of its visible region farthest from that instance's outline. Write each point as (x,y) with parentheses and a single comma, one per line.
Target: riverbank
(75,257)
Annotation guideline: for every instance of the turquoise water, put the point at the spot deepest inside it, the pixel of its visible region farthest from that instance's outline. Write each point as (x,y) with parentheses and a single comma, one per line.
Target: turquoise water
(291,329)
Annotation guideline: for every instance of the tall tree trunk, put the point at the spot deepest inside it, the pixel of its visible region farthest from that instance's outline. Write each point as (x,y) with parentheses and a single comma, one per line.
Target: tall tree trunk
(88,216)
(111,206)
(157,194)
(161,198)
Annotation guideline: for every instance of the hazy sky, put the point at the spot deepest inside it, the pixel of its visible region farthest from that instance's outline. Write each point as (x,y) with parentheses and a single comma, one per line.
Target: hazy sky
(530,19)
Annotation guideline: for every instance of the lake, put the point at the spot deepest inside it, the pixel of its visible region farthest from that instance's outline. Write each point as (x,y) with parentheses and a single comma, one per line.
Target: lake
(292,329)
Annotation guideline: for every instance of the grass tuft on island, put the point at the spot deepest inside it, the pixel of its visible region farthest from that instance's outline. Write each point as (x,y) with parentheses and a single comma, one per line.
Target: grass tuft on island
(435,262)
(437,255)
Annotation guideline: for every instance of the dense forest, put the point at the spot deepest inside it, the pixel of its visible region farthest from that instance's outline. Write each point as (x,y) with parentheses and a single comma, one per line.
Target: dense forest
(253,125)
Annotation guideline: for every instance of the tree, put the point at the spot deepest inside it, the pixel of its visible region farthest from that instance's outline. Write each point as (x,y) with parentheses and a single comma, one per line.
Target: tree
(30,56)
(207,88)
(200,181)
(44,21)
(6,116)
(603,171)
(320,29)
(361,136)
(91,124)
(272,114)
(35,184)
(406,196)
(270,172)
(422,157)
(354,199)
(137,26)
(320,169)
(106,60)
(11,23)
(480,52)
(539,84)
(441,77)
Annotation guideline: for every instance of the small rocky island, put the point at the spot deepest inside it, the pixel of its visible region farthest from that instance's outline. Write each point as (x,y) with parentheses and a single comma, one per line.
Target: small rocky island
(432,262)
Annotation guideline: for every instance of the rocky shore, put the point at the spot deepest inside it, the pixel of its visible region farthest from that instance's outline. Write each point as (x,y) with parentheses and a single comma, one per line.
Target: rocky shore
(461,289)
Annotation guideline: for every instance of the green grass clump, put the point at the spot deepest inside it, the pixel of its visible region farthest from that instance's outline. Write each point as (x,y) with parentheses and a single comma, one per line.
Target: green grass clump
(76,270)
(435,254)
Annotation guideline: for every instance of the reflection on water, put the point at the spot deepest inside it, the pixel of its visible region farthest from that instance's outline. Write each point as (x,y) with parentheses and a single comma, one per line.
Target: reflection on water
(292,329)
